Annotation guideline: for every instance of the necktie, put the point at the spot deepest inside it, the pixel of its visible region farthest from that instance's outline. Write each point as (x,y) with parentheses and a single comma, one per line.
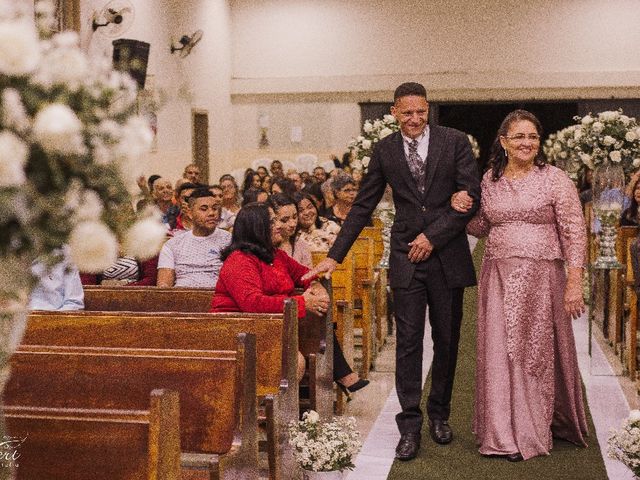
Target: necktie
(416,165)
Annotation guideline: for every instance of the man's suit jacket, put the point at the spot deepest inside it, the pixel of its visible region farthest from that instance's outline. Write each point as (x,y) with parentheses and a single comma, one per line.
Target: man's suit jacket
(450,168)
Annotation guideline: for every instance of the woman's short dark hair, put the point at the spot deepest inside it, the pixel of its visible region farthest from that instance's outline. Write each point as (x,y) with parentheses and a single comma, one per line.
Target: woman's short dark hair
(340,181)
(498,158)
(286,185)
(251,195)
(631,213)
(252,233)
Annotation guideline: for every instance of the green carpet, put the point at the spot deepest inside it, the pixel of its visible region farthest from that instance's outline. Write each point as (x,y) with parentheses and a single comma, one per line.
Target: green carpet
(461,460)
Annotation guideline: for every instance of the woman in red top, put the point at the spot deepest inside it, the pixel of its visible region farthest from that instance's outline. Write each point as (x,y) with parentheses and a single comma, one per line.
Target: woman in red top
(256,277)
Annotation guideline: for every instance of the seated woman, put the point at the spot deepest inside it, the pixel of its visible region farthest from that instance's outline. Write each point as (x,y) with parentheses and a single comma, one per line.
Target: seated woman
(256,277)
(317,231)
(344,193)
(287,216)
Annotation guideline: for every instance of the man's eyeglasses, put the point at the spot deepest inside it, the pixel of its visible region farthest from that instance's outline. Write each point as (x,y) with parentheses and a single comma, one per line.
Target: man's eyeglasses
(520,137)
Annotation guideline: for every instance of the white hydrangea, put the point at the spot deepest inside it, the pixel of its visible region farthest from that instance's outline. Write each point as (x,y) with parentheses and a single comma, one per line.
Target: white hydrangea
(13,157)
(19,47)
(63,64)
(58,130)
(93,246)
(145,238)
(91,207)
(14,115)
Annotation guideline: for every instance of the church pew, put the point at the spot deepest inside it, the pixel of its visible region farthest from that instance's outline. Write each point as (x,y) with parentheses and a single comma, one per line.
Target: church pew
(312,341)
(364,285)
(341,312)
(631,315)
(380,313)
(63,443)
(277,348)
(218,424)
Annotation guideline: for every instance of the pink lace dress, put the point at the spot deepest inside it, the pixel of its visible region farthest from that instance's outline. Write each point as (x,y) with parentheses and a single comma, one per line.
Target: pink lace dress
(527,379)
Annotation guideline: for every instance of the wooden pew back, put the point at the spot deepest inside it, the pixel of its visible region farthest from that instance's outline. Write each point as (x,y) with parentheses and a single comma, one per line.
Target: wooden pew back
(121,379)
(146,299)
(74,444)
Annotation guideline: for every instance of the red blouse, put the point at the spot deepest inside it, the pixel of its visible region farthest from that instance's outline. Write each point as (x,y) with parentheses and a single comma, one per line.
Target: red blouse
(247,284)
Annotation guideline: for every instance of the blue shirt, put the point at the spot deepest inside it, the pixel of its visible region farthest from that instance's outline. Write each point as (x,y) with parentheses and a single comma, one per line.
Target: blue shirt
(59,287)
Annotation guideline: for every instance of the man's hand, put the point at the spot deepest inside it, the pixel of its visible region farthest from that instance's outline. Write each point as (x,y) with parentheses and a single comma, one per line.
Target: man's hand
(461,201)
(326,266)
(318,304)
(421,248)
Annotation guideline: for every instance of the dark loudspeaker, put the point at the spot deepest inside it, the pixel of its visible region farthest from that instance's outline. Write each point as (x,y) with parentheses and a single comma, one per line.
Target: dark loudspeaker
(131,56)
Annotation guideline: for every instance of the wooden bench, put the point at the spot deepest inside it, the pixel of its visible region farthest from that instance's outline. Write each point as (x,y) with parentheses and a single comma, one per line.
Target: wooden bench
(79,443)
(314,333)
(218,425)
(277,348)
(380,313)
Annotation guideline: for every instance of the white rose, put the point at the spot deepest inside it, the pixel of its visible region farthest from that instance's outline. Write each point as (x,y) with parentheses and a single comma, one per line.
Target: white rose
(385,132)
(636,162)
(577,135)
(637,132)
(367,127)
(630,136)
(93,247)
(597,127)
(359,138)
(608,116)
(313,416)
(586,159)
(615,156)
(58,130)
(13,157)
(91,206)
(145,238)
(587,119)
(557,146)
(366,144)
(634,415)
(625,120)
(389,118)
(562,154)
(14,114)
(365,161)
(19,48)
(608,140)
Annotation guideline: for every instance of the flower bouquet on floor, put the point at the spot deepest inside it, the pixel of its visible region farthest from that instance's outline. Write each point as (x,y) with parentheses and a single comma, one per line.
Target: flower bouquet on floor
(324,447)
(624,443)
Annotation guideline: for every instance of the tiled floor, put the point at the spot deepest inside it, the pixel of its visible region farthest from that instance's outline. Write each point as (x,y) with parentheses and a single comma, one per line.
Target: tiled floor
(376,416)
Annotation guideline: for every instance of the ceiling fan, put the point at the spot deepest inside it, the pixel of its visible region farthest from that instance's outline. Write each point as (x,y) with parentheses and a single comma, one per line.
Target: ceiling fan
(114,19)
(186,43)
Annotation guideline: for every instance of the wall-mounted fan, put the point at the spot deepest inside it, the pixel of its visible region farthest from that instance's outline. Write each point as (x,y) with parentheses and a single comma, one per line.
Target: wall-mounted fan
(186,43)
(114,19)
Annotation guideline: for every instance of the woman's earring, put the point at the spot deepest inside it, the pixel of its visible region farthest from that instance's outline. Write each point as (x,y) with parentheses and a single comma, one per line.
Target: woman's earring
(506,155)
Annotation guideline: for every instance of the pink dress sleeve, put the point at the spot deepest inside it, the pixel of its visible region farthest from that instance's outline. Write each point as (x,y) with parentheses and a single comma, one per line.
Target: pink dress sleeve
(572,231)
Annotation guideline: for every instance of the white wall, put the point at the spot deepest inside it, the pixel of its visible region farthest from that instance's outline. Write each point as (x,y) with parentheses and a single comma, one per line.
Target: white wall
(200,80)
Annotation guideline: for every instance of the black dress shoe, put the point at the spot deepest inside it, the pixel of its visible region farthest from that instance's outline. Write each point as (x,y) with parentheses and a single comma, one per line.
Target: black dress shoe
(408,446)
(440,431)
(514,457)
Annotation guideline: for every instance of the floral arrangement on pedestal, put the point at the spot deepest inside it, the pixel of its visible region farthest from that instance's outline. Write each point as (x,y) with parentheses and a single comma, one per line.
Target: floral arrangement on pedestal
(624,443)
(67,134)
(324,446)
(361,147)
(596,139)
(475,147)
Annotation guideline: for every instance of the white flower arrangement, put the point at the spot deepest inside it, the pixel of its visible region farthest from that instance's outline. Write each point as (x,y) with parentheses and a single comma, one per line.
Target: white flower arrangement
(324,446)
(475,147)
(624,443)
(606,137)
(361,147)
(68,133)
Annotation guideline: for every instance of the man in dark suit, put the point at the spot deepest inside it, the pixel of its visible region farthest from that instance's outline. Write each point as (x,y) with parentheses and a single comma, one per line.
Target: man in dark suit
(430,261)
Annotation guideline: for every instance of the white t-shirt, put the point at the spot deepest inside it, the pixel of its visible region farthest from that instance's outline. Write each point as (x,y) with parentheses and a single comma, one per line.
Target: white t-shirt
(196,260)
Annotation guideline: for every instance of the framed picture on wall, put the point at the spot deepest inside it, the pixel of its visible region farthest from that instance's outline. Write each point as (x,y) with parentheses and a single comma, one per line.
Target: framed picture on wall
(148,108)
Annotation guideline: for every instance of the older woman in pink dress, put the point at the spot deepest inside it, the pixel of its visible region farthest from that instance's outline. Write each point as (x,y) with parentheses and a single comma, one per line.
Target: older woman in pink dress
(527,380)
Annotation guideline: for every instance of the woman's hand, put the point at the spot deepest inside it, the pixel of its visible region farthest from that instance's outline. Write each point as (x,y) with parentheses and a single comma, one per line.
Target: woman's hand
(573,301)
(461,201)
(316,302)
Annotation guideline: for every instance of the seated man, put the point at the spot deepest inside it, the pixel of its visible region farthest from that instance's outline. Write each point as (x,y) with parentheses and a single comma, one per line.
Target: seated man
(184,191)
(193,258)
(58,288)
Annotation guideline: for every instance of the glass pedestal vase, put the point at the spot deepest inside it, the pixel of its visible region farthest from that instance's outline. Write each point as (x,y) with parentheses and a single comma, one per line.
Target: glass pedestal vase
(332,475)
(608,198)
